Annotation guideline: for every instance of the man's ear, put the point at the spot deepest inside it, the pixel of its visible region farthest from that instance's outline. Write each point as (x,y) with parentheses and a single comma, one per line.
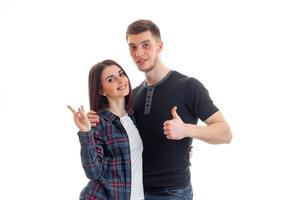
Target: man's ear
(160,46)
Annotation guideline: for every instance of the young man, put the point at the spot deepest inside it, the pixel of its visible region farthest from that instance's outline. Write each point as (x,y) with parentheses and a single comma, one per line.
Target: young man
(167,106)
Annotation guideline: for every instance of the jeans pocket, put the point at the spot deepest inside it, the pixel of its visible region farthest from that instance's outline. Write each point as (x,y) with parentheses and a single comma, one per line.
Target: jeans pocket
(185,193)
(179,193)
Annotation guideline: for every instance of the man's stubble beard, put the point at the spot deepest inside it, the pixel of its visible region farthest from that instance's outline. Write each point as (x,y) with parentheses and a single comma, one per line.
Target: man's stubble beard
(149,69)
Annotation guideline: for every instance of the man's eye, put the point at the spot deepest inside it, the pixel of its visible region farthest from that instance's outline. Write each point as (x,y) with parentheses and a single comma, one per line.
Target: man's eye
(146,45)
(110,80)
(132,48)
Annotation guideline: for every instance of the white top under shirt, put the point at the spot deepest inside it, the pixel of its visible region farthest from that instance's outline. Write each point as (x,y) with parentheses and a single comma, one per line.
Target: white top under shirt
(136,150)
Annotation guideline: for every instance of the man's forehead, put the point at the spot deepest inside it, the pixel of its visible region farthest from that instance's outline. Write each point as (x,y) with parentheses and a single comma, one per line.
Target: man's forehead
(147,35)
(132,43)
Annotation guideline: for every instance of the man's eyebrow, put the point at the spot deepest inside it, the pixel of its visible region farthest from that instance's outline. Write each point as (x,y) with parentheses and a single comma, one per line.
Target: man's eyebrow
(144,41)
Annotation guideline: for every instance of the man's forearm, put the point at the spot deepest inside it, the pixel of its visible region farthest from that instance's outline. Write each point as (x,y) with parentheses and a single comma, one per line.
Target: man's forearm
(216,133)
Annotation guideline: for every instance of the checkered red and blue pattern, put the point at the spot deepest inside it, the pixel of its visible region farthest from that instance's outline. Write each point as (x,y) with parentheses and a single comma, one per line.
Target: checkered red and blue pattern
(105,157)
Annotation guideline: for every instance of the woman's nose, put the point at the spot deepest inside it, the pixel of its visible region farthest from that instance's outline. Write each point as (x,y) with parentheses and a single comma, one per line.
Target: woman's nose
(120,80)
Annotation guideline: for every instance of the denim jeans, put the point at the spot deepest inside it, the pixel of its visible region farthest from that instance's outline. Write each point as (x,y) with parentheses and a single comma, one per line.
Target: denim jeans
(185,193)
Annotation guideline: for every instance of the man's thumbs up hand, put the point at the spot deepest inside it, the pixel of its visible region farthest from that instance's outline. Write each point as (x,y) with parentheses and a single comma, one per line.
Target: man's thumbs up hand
(175,128)
(174,113)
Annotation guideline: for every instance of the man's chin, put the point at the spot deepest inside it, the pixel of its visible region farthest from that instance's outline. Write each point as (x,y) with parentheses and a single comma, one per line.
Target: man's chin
(142,68)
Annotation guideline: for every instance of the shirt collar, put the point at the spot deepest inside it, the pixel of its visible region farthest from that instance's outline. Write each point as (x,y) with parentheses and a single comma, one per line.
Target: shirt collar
(107,115)
(160,82)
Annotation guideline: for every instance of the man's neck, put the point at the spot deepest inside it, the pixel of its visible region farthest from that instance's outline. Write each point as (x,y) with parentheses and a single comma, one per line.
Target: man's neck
(158,73)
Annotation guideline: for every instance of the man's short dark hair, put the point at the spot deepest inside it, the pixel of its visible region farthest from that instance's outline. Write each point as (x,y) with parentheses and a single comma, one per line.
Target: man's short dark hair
(143,25)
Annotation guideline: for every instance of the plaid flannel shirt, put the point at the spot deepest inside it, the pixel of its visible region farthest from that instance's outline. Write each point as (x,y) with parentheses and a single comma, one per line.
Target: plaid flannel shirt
(105,157)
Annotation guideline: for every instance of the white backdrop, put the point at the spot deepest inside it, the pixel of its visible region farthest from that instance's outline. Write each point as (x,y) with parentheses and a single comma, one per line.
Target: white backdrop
(245,53)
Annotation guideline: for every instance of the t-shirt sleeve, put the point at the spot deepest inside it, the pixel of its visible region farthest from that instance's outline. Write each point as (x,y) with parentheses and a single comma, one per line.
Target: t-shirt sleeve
(198,100)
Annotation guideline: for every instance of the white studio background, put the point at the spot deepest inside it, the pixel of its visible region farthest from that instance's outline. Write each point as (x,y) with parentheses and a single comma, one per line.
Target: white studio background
(245,52)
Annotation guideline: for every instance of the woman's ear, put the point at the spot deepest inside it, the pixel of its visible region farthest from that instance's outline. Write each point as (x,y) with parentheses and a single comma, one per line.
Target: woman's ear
(102,93)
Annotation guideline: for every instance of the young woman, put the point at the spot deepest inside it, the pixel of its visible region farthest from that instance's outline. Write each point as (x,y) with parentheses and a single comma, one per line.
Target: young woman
(111,153)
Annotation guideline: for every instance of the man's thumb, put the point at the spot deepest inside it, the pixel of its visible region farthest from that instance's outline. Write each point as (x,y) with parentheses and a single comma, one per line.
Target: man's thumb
(174,113)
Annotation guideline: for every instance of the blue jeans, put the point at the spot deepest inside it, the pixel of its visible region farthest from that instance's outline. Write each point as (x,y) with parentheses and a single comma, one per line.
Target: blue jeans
(185,193)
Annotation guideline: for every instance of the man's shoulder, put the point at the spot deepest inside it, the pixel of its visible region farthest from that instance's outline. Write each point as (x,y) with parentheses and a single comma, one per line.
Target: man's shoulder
(185,83)
(177,77)
(140,86)
(138,89)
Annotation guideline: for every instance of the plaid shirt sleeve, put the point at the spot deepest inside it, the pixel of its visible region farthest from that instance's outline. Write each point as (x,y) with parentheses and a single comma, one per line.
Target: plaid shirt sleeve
(91,155)
(110,176)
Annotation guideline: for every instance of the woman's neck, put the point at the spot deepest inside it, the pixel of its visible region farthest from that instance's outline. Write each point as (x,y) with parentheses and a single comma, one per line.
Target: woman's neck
(117,107)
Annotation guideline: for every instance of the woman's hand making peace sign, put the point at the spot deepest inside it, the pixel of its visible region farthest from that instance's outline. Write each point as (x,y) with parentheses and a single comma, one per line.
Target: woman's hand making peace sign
(80,119)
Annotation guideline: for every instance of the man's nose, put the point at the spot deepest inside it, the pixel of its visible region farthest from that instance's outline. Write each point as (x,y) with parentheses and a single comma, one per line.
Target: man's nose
(138,52)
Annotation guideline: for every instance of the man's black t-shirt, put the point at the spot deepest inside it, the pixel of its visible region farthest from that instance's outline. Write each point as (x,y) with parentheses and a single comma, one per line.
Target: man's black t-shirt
(166,162)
